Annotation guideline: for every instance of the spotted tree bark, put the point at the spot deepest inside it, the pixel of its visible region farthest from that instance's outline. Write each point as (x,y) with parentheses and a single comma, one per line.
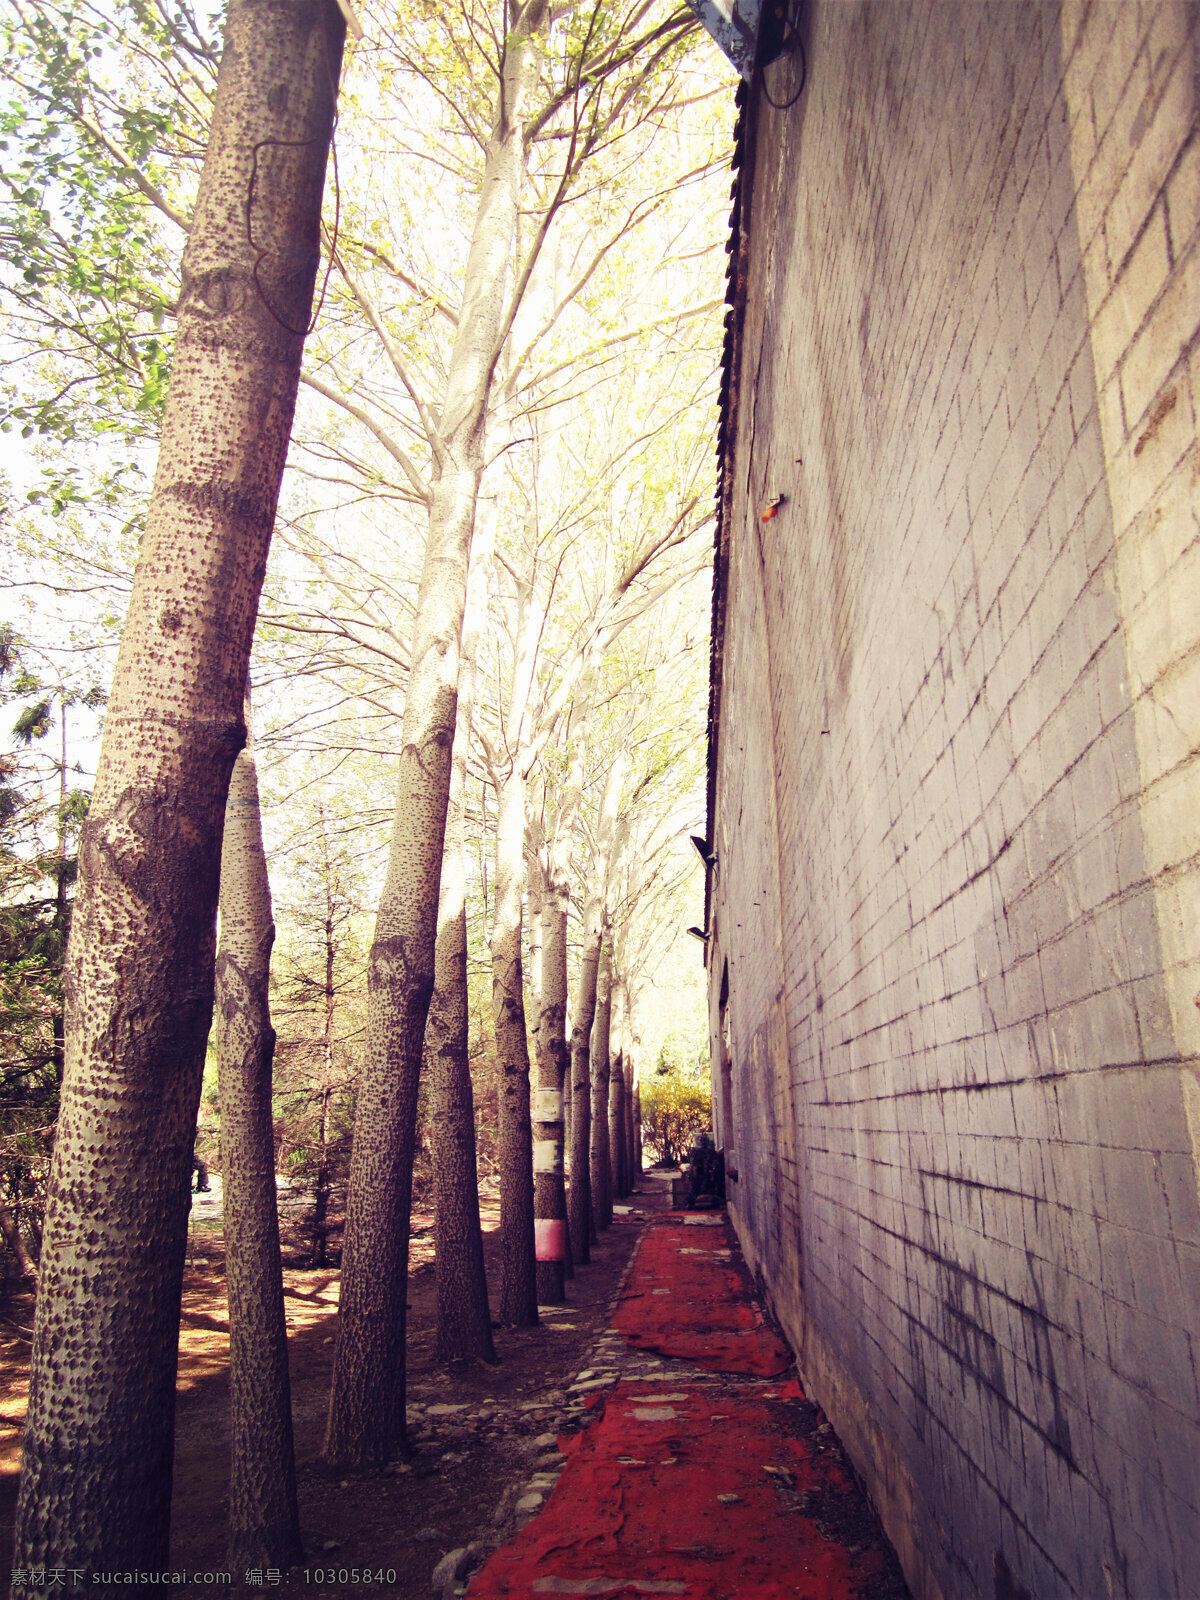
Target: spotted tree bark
(601,1163)
(550,1197)
(637,1133)
(625,1050)
(518,1281)
(629,1130)
(617,1155)
(464,1329)
(533,933)
(96,1484)
(366,1412)
(554,1056)
(264,1522)
(517,1150)
(616,1126)
(579,1198)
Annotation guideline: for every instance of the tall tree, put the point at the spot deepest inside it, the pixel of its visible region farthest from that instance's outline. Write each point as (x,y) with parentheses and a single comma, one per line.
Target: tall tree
(96,1483)
(580,1201)
(464,1328)
(42,703)
(527,722)
(367,1406)
(318,980)
(40,817)
(264,1519)
(601,1168)
(637,1133)
(518,1285)
(566,542)
(617,1103)
(510,768)
(335,912)
(554,1058)
(597,77)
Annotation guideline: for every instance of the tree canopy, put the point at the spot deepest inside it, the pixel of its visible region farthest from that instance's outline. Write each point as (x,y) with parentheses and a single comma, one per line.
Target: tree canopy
(511,360)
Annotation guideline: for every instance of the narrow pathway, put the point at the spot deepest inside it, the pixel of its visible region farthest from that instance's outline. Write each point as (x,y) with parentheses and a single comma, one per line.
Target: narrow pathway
(702,1470)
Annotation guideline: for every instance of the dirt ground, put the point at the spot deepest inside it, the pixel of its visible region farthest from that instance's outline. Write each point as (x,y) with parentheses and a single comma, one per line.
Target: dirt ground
(392,1526)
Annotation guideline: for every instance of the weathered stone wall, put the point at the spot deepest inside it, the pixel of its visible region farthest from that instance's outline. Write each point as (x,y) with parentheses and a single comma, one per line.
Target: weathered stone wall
(957,787)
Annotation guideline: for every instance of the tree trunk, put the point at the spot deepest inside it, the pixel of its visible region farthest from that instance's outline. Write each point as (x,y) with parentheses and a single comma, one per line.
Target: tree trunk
(464,1327)
(638,1167)
(264,1522)
(616,1126)
(323,1183)
(533,932)
(366,1411)
(600,1162)
(549,1194)
(631,1175)
(518,1284)
(579,1199)
(14,1241)
(96,1486)
(568,1101)
(616,1091)
(555,1073)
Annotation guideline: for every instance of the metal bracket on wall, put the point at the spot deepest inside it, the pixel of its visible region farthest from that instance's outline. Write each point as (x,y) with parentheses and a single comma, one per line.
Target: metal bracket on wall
(734,25)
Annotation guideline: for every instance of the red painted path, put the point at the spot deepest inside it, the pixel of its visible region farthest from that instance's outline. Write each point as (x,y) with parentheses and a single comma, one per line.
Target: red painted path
(705,1473)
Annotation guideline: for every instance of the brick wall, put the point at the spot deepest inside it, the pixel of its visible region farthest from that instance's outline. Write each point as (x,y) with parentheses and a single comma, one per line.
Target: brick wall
(956,793)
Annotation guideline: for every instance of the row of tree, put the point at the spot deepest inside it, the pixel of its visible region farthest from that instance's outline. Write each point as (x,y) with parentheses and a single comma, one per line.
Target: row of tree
(534,646)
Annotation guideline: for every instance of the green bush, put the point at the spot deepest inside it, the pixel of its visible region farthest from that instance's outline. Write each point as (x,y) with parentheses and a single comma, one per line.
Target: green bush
(676,1106)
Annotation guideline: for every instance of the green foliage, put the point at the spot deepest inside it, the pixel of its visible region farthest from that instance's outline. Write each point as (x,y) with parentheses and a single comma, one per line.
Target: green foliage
(33,927)
(318,1003)
(676,1106)
(208,1119)
(36,874)
(33,722)
(608,382)
(96,153)
(684,1050)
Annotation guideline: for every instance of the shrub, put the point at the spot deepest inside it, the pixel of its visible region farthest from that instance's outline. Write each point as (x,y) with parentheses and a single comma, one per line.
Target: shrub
(676,1106)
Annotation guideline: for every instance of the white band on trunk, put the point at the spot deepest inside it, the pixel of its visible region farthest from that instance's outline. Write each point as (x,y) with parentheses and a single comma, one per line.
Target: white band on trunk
(544,1151)
(547,1105)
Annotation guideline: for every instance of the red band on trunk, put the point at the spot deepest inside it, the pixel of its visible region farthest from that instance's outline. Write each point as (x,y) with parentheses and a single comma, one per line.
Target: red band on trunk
(550,1239)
